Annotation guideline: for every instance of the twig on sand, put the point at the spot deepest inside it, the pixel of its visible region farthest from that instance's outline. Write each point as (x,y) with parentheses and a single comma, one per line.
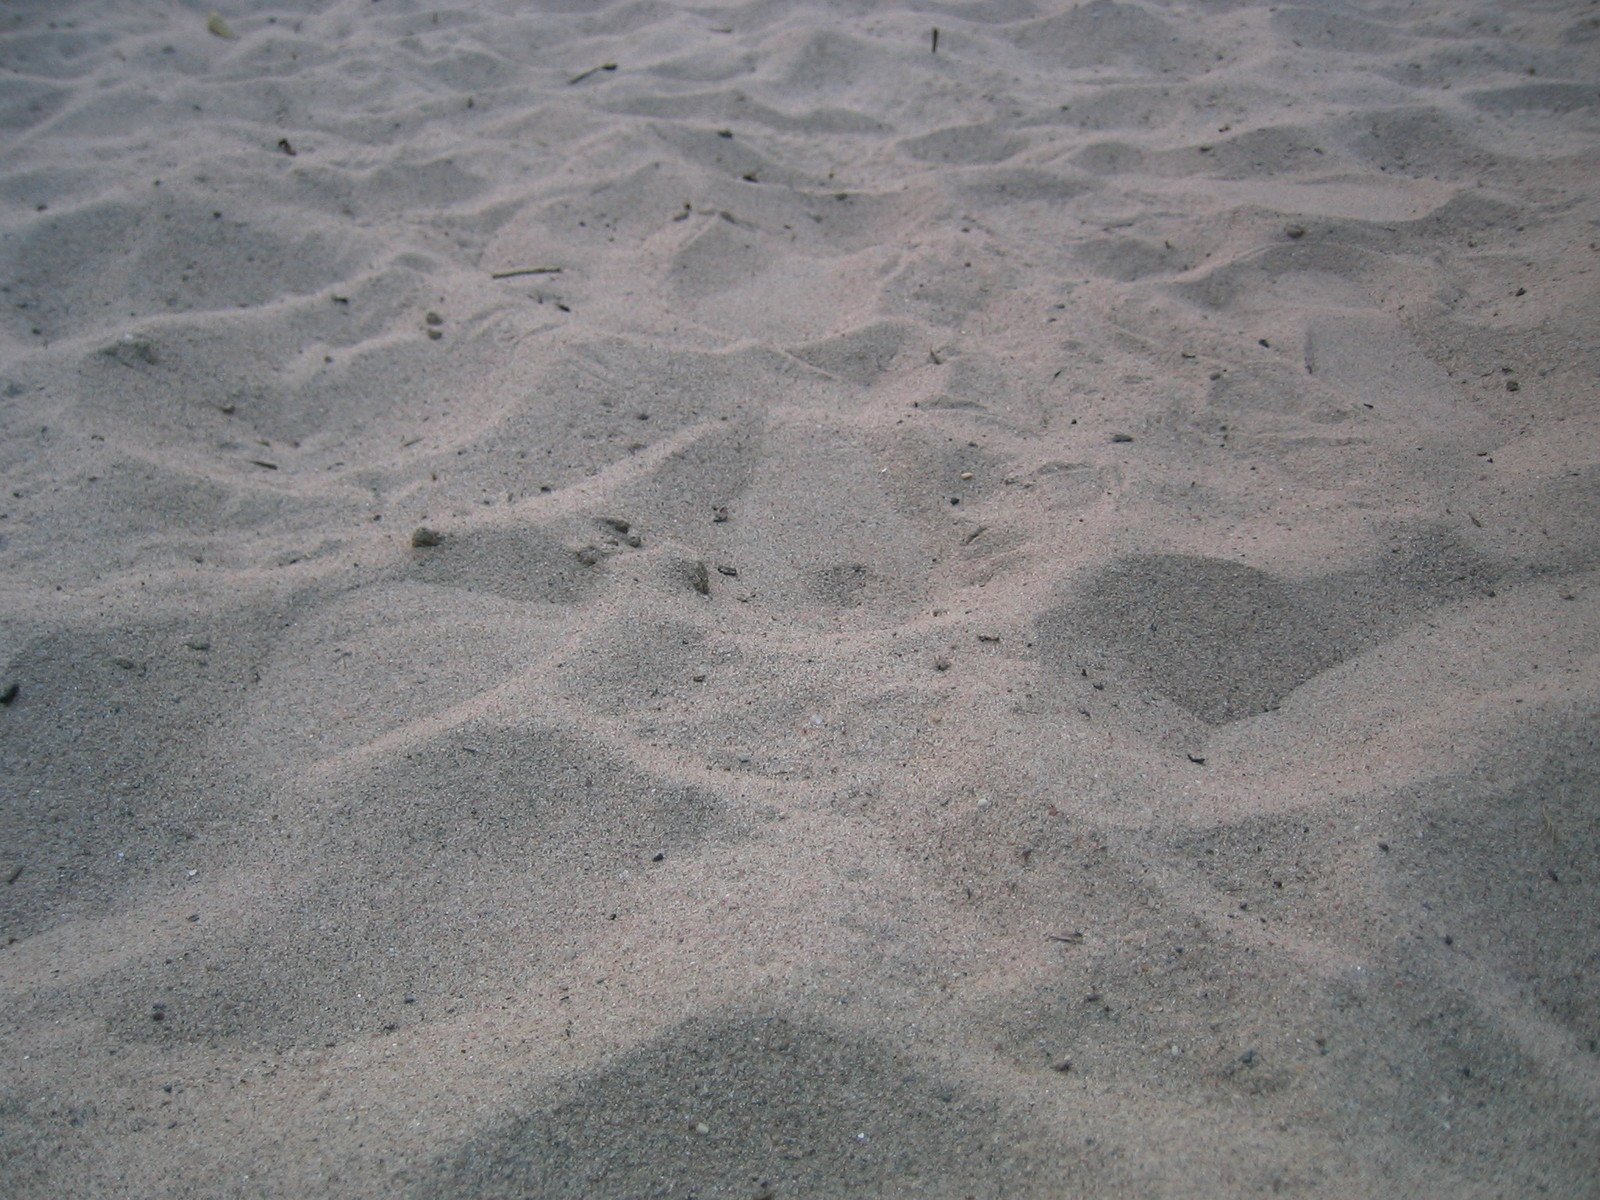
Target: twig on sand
(581,76)
(525,271)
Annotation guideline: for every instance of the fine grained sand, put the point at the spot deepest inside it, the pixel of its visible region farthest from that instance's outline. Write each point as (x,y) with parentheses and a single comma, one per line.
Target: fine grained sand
(1017,620)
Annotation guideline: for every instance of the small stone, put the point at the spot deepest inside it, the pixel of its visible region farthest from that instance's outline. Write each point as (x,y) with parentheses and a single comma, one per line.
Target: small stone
(9,696)
(1294,232)
(725,569)
(434,318)
(198,643)
(1122,437)
(634,540)
(1513,386)
(966,474)
(702,1128)
(131,349)
(435,334)
(616,523)
(422,537)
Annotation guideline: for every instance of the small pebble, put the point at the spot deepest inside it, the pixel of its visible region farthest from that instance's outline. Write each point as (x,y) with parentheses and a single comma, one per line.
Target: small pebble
(198,643)
(9,696)
(1122,437)
(434,318)
(422,536)
(1294,232)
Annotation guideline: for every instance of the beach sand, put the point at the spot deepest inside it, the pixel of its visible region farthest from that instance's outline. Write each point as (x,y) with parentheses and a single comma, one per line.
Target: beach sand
(746,600)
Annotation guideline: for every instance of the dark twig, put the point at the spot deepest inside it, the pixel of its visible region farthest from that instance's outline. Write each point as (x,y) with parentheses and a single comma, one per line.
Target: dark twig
(525,271)
(579,78)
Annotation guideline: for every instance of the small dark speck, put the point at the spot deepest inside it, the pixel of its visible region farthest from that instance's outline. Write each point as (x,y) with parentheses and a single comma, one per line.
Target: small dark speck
(657,857)
(1122,437)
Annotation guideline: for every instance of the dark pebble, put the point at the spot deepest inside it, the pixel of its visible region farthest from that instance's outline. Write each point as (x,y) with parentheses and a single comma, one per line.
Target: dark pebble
(422,536)
(1122,437)
(8,697)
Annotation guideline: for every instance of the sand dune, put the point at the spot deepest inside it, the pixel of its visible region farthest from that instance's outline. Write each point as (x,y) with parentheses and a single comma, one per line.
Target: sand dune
(1011,611)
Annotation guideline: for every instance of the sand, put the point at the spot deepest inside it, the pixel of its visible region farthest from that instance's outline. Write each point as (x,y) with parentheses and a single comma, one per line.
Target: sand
(732,600)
